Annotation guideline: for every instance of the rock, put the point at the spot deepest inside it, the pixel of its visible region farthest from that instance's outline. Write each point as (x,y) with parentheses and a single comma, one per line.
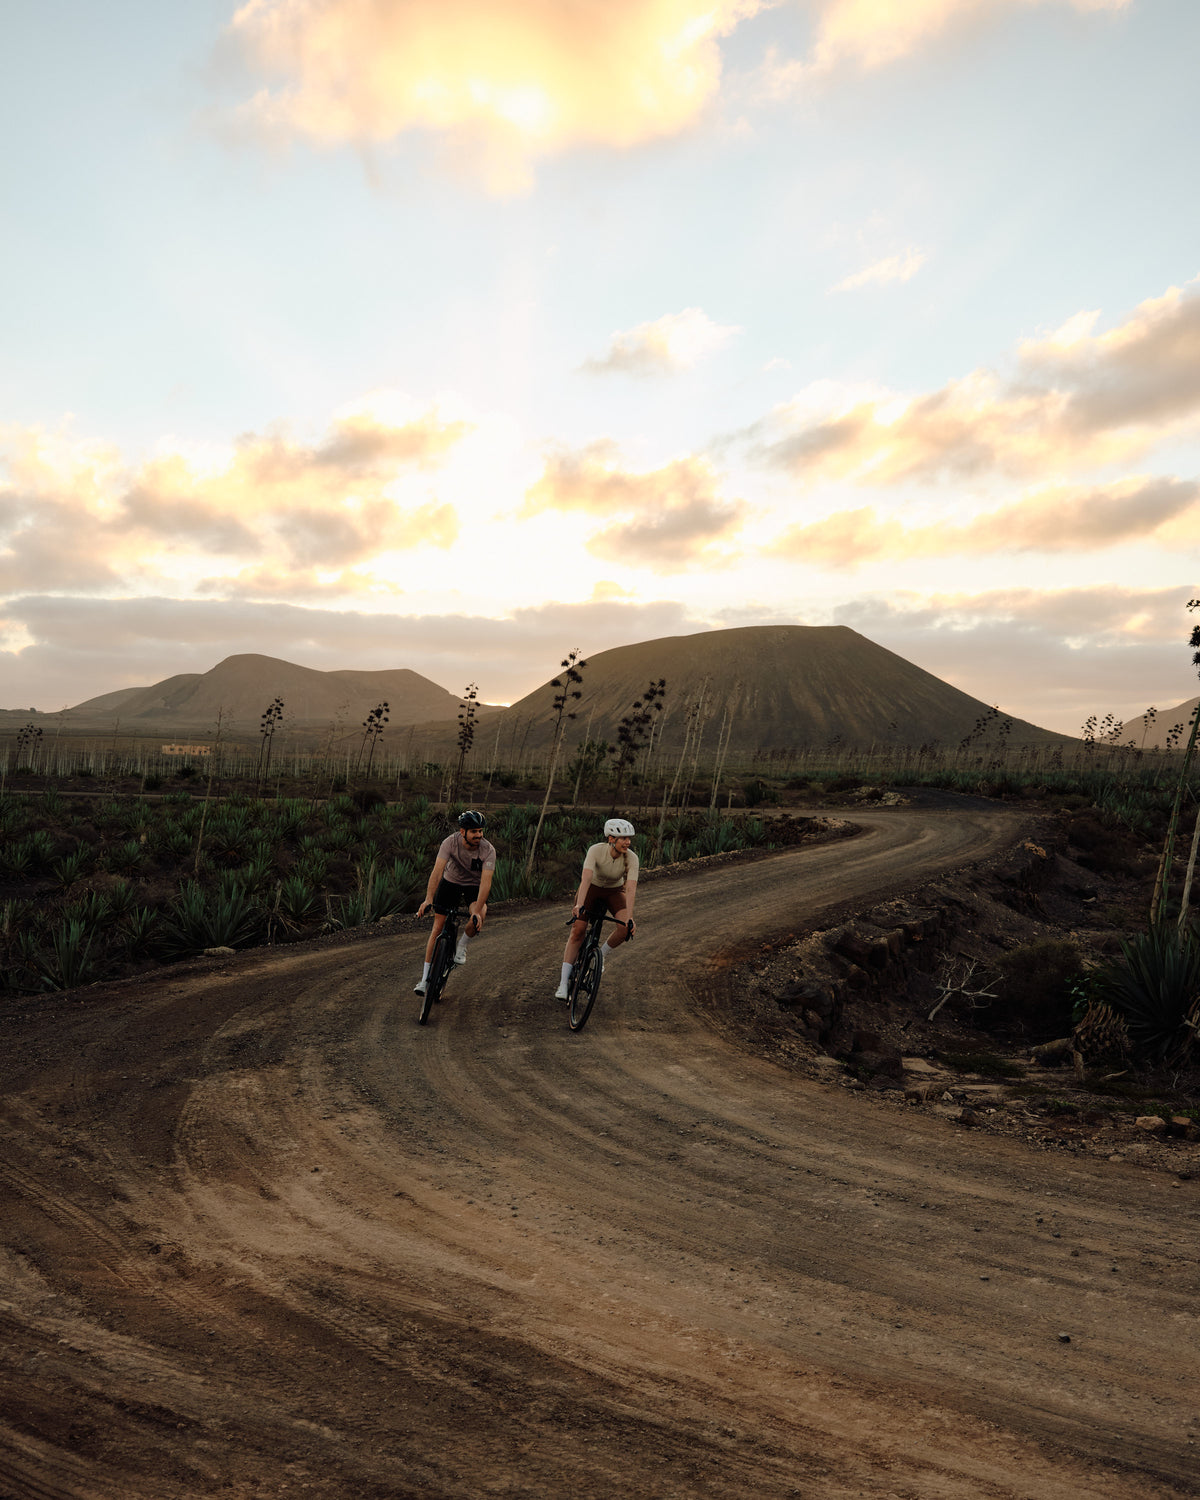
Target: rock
(1151,1124)
(922,1067)
(1178,1125)
(967,1116)
(886,1064)
(219,952)
(797,995)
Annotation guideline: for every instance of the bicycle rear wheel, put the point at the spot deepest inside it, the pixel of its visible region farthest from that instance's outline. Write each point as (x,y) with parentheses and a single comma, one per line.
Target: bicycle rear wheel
(585,986)
(437,977)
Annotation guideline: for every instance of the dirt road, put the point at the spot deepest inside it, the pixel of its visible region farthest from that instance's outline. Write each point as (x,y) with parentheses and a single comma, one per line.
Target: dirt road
(264,1235)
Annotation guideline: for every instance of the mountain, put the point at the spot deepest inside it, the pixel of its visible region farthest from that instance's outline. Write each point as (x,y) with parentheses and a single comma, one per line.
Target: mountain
(242,687)
(775,687)
(768,687)
(1151,733)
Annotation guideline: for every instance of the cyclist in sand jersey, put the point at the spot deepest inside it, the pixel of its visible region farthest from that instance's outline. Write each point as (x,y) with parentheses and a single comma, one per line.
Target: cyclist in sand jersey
(609,879)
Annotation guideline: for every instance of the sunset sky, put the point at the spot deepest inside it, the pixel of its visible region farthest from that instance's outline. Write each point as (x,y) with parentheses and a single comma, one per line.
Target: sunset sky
(455,334)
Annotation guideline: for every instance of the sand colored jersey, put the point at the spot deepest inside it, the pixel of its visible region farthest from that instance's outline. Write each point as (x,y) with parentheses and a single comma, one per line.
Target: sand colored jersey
(609,873)
(464,866)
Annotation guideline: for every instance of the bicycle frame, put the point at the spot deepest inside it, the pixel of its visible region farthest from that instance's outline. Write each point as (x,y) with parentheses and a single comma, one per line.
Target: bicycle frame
(584,984)
(443,958)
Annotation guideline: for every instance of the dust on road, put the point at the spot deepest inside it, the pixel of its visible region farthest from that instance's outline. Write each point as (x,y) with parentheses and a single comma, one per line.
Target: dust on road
(264,1235)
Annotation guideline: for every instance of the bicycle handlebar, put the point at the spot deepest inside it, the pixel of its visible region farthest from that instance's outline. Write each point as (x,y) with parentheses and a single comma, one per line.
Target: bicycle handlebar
(605,917)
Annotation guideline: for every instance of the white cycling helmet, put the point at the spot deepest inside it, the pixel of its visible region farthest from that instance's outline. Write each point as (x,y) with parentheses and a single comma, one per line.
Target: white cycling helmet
(618,828)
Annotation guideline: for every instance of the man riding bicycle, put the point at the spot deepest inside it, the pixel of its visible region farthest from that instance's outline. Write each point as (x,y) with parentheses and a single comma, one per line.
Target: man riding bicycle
(609,880)
(461,875)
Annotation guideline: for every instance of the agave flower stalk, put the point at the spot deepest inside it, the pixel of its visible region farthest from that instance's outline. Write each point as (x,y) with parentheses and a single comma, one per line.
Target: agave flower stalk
(568,692)
(1162,880)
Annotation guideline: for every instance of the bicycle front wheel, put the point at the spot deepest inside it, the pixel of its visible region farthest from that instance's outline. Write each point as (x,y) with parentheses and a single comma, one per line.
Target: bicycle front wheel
(437,978)
(585,986)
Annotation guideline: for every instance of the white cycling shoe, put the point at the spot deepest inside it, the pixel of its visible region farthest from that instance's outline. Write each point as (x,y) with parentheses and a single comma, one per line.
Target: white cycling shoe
(420,987)
(561,993)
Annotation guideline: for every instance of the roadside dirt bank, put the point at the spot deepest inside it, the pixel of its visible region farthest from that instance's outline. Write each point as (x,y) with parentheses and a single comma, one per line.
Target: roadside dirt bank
(264,1235)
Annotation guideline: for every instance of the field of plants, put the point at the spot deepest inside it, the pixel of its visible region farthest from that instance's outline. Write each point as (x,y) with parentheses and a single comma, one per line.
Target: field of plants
(93,886)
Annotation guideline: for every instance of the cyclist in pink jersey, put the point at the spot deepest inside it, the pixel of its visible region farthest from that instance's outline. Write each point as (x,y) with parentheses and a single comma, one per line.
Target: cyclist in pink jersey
(461,876)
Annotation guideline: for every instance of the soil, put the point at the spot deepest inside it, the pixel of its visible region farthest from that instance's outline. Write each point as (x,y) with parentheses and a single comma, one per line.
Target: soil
(264,1235)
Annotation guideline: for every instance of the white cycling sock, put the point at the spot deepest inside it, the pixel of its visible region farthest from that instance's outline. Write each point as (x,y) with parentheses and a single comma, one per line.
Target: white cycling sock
(463,940)
(566,972)
(425,970)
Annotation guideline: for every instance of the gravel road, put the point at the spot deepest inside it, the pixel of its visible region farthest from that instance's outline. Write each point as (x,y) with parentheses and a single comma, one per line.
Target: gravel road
(264,1235)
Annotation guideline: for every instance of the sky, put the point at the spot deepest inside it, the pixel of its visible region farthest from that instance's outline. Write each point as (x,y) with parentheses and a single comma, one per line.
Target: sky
(458,334)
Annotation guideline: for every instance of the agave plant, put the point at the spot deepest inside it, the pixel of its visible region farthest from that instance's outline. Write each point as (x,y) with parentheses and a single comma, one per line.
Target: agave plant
(16,859)
(229,917)
(313,866)
(122,900)
(69,960)
(41,851)
(511,881)
(125,858)
(719,837)
(1155,989)
(297,900)
(139,926)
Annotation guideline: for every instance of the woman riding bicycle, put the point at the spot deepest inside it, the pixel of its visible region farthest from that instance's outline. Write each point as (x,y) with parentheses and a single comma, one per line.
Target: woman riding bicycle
(609,880)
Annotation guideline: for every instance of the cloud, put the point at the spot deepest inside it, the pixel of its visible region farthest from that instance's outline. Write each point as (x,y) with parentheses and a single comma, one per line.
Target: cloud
(276,507)
(674,342)
(499,83)
(1058,519)
(667,519)
(869,34)
(884,272)
(1073,399)
(56,651)
(1052,657)
(1144,372)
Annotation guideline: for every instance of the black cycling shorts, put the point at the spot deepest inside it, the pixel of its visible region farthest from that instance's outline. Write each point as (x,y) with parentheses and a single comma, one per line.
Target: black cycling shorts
(449,897)
(604,898)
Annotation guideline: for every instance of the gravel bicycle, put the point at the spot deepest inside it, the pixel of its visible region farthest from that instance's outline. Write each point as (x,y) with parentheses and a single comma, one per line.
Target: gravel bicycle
(584,984)
(443,960)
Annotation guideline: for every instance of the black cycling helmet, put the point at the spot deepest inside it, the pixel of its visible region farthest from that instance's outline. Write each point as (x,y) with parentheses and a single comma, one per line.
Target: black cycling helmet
(472,820)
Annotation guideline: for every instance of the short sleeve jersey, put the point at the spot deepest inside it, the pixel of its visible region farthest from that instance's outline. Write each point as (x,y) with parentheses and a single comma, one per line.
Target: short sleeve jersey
(610,874)
(464,866)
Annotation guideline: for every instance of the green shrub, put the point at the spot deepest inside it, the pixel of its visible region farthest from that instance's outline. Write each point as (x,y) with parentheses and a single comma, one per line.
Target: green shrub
(1037,983)
(756,792)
